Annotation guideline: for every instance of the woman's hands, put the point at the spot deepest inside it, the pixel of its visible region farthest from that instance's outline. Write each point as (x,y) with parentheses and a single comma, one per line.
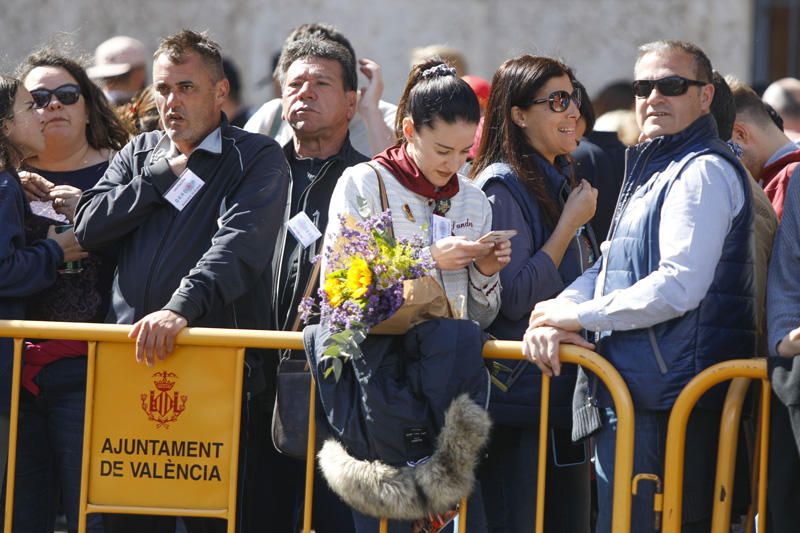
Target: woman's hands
(453,253)
(580,206)
(38,188)
(68,244)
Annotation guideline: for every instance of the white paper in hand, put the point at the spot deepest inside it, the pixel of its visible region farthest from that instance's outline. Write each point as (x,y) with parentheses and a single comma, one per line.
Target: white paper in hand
(184,189)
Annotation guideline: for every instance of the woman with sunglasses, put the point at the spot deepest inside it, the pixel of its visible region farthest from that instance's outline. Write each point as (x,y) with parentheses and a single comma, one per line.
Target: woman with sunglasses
(436,120)
(523,166)
(81,134)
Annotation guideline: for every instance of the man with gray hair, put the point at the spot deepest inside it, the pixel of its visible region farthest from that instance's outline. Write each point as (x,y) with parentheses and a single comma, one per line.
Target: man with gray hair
(784,97)
(673,291)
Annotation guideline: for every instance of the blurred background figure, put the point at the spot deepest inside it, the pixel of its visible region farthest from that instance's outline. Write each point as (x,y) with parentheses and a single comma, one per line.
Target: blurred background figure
(481,88)
(141,114)
(784,97)
(613,108)
(448,54)
(600,159)
(119,68)
(371,128)
(238,114)
(81,135)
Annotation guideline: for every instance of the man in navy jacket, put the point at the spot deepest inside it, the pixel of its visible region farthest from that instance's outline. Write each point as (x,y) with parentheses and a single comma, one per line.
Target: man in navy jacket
(673,291)
(195,212)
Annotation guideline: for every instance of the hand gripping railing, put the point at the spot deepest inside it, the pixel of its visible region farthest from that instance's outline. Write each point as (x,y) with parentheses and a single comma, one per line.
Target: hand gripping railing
(589,360)
(94,333)
(676,437)
(208,337)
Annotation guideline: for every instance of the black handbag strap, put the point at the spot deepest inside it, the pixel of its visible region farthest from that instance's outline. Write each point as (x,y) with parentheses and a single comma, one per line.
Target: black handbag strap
(384,198)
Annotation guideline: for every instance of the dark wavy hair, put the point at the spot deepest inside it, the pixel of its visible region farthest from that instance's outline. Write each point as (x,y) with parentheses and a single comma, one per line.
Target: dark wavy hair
(515,84)
(105,131)
(10,155)
(432,92)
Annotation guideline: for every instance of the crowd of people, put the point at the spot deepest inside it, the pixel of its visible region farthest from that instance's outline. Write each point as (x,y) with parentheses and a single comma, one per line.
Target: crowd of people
(658,227)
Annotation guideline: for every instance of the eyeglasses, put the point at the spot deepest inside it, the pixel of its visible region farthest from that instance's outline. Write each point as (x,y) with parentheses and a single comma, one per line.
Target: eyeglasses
(559,100)
(669,86)
(67,94)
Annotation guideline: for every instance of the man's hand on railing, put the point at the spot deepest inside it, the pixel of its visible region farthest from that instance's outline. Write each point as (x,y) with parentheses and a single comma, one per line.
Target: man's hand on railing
(541,345)
(155,335)
(559,313)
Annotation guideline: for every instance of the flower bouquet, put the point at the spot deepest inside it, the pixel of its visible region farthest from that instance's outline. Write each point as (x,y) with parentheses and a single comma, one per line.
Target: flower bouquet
(368,280)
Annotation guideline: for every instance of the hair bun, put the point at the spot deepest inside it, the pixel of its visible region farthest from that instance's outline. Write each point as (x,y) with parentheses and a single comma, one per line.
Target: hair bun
(439,70)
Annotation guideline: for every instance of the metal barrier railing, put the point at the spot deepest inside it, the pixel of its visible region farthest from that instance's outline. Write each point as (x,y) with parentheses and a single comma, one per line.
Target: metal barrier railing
(208,337)
(590,361)
(676,436)
(94,333)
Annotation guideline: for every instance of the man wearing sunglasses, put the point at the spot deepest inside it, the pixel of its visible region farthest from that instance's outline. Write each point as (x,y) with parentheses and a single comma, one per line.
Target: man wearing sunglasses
(195,211)
(673,291)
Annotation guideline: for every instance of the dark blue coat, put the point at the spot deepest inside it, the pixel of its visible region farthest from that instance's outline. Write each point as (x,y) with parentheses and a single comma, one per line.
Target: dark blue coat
(519,405)
(24,269)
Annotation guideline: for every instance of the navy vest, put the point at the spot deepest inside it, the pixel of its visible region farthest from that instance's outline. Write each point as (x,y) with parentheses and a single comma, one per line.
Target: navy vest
(657,362)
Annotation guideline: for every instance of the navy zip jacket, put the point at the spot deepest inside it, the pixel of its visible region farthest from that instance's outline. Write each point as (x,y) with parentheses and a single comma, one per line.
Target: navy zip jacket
(25,269)
(535,280)
(209,262)
(657,362)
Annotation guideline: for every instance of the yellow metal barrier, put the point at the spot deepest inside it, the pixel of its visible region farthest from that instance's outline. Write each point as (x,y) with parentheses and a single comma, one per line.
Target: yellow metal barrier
(621,519)
(207,337)
(676,434)
(726,454)
(211,340)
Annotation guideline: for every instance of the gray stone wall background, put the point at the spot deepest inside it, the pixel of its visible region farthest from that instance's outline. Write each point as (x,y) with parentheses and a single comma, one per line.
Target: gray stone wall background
(598,38)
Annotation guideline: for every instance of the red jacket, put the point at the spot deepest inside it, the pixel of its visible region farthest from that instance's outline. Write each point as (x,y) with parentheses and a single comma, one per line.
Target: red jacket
(775,178)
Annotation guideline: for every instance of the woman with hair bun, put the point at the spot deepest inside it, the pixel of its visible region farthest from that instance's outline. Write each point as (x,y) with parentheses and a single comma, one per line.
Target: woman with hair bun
(436,121)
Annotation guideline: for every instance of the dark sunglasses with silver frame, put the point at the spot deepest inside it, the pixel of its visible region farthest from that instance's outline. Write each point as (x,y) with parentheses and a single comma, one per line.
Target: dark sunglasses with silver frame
(669,86)
(559,100)
(67,94)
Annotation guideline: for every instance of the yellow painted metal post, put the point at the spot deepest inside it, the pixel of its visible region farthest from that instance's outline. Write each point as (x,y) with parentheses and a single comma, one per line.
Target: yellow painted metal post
(13,431)
(766,395)
(726,455)
(311,448)
(233,486)
(676,428)
(384,526)
(541,475)
(91,360)
(462,516)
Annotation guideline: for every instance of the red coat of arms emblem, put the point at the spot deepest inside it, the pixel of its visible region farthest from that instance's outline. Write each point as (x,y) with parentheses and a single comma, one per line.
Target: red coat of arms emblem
(163,406)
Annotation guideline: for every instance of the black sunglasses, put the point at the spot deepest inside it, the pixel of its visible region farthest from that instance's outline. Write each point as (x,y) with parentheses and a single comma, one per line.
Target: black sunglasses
(67,94)
(559,100)
(669,86)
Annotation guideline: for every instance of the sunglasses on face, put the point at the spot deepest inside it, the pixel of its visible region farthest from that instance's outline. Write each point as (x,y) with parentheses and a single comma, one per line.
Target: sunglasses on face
(67,94)
(559,100)
(669,86)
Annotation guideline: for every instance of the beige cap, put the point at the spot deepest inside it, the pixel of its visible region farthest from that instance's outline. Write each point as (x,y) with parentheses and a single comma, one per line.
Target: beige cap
(117,56)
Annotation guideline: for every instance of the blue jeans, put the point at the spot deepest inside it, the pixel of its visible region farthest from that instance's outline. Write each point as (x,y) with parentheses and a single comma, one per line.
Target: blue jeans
(49,449)
(508,481)
(650,437)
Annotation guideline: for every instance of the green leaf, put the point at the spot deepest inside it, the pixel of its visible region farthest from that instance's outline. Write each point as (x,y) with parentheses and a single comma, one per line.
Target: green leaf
(333,350)
(363,207)
(337,369)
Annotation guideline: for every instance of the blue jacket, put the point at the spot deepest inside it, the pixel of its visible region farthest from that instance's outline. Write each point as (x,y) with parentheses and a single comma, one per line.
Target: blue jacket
(657,362)
(25,269)
(520,403)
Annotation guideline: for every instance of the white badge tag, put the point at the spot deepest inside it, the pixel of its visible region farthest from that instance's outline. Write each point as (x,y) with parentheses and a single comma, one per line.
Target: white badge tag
(442,227)
(184,189)
(303,230)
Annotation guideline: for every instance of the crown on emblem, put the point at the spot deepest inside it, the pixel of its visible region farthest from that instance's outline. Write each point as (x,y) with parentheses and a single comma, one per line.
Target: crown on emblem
(164,384)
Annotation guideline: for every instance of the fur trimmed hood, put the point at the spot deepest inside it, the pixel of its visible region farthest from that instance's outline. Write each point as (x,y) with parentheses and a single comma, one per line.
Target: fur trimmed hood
(409,493)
